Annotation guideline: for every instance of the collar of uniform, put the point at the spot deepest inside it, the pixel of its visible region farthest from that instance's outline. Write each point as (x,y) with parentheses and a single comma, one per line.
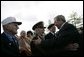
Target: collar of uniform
(52,33)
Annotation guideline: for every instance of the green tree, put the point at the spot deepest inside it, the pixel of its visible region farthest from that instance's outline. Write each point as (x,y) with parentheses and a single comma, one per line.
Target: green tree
(74,18)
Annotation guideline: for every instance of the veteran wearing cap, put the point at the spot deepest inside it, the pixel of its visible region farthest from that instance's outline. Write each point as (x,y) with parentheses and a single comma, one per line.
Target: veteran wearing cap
(9,43)
(39,29)
(39,35)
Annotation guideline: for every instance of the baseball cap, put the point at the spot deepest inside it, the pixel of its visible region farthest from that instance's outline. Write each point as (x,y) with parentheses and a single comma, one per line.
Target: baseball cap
(10,20)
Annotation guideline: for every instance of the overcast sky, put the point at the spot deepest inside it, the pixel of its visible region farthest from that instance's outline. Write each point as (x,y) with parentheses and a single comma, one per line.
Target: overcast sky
(30,12)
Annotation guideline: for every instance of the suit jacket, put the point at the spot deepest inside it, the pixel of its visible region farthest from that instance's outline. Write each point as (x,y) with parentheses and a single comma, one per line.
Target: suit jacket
(8,48)
(49,36)
(66,35)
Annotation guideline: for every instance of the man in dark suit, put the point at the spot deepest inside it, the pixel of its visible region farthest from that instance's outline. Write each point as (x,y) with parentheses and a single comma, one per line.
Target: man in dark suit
(66,41)
(67,34)
(9,43)
(51,34)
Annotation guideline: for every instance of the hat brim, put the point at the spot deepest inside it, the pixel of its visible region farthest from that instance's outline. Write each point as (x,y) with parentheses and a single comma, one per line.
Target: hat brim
(19,23)
(37,27)
(42,27)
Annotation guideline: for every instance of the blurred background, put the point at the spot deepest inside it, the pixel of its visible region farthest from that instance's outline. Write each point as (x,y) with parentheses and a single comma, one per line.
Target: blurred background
(31,12)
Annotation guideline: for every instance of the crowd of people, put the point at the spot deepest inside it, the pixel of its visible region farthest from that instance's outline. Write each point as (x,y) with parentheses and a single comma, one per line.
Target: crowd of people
(68,41)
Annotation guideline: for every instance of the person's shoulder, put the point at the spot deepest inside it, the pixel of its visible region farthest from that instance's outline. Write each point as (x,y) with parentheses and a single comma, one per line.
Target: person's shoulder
(48,34)
(34,38)
(70,25)
(3,35)
(4,38)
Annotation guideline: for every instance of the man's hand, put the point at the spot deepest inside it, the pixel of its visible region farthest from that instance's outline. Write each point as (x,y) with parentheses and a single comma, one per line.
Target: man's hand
(72,46)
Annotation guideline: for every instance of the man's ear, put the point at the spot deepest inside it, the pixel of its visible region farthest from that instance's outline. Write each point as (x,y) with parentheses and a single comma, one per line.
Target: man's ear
(5,27)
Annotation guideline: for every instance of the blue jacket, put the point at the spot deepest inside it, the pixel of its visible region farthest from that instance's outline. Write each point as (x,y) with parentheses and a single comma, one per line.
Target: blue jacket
(8,47)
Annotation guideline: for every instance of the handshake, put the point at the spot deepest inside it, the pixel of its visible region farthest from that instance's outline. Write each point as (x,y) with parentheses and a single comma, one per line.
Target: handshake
(72,47)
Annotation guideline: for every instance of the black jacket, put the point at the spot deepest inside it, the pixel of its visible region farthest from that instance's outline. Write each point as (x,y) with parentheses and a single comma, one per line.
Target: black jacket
(50,36)
(8,48)
(66,35)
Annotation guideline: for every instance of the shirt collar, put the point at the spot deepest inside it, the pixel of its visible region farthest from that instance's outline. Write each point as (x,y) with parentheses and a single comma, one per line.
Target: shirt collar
(52,33)
(10,36)
(62,25)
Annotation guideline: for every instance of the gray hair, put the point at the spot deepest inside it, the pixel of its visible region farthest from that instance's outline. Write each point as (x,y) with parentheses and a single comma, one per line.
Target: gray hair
(60,17)
(5,27)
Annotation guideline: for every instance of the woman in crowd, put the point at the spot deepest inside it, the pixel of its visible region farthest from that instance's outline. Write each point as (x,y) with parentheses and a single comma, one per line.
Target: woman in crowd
(23,44)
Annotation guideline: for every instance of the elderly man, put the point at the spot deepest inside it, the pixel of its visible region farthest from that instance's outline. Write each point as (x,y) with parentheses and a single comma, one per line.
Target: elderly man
(9,43)
(67,35)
